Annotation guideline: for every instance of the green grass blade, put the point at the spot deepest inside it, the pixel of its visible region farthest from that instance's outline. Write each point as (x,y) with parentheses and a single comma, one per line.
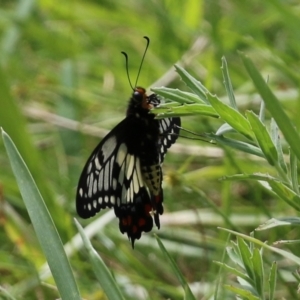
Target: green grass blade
(196,86)
(262,112)
(272,280)
(241,146)
(263,138)
(236,272)
(234,254)
(274,107)
(258,269)
(185,110)
(177,95)
(231,116)
(286,194)
(101,271)
(246,257)
(228,85)
(276,139)
(43,224)
(294,172)
(188,293)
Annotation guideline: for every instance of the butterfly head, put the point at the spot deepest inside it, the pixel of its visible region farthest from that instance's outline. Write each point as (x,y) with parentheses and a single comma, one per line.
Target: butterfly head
(139,101)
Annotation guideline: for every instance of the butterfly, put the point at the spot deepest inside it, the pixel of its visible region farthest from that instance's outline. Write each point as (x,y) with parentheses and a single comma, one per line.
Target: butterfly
(124,171)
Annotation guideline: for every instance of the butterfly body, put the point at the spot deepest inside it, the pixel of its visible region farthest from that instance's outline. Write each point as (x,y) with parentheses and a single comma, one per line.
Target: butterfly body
(124,171)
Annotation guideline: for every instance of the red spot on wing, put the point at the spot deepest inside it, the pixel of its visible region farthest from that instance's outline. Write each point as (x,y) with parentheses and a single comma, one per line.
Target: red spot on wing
(137,217)
(142,222)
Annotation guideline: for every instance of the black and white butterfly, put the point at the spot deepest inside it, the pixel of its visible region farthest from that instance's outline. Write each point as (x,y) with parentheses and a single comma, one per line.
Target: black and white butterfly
(124,171)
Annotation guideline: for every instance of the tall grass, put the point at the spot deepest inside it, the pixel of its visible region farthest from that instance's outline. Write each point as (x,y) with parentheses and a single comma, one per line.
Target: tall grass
(230,226)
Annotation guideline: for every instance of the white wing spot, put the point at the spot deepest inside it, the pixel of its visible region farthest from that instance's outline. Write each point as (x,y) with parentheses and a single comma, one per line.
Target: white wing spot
(80,192)
(109,147)
(90,165)
(106,177)
(112,200)
(139,174)
(100,183)
(135,182)
(95,186)
(130,165)
(112,162)
(97,163)
(106,199)
(100,199)
(90,190)
(88,180)
(95,203)
(121,154)
(114,184)
(89,206)
(128,198)
(121,177)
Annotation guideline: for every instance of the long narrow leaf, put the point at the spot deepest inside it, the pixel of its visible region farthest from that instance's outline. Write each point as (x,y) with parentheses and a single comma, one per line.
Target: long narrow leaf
(228,84)
(246,257)
(185,110)
(196,86)
(241,146)
(177,95)
(263,138)
(272,280)
(258,269)
(231,116)
(273,105)
(276,140)
(244,293)
(43,224)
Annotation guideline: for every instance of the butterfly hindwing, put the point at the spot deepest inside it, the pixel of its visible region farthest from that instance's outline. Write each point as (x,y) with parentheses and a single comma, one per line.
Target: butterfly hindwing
(169,131)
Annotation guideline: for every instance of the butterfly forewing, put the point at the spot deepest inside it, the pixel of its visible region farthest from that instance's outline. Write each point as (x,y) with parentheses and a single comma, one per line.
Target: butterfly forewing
(110,175)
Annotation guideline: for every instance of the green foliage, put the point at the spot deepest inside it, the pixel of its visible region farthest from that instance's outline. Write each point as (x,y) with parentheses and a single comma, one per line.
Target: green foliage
(61,70)
(43,224)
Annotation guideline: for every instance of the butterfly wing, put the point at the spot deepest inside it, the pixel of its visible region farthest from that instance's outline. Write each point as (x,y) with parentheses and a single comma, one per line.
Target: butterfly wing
(112,177)
(169,132)
(97,187)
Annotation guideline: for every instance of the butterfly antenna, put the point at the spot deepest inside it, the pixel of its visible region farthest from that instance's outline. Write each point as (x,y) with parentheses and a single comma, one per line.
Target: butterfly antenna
(126,66)
(141,64)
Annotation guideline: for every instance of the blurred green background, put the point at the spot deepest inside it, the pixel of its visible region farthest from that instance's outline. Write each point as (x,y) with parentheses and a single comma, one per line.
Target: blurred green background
(61,70)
